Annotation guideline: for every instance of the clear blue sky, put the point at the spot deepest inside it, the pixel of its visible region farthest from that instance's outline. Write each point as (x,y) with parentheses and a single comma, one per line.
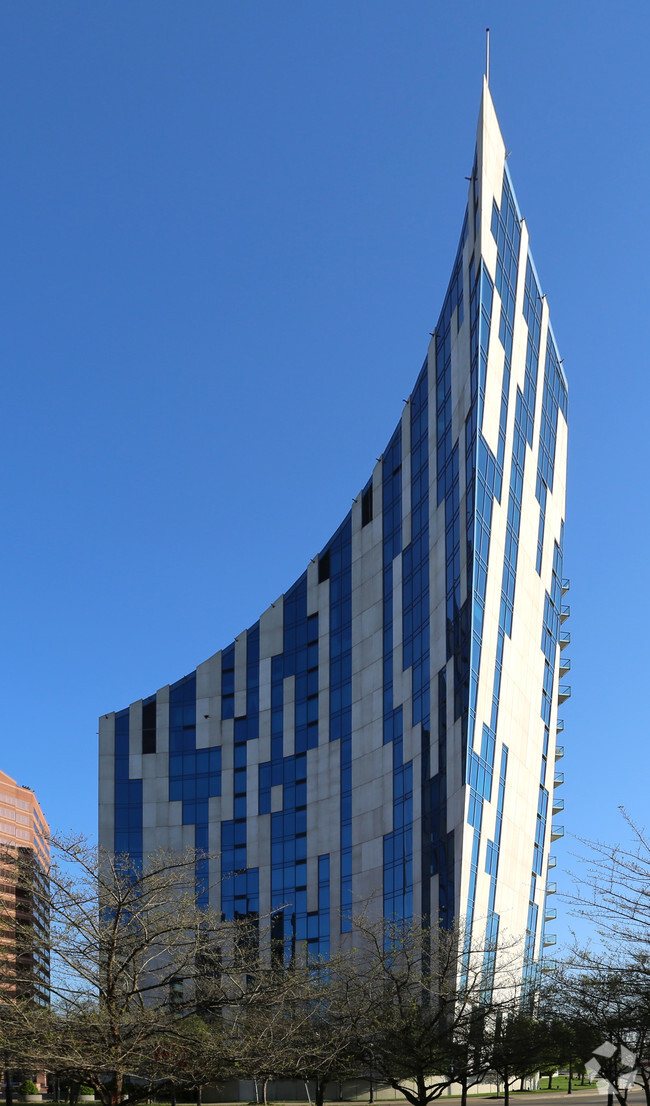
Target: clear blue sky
(227,226)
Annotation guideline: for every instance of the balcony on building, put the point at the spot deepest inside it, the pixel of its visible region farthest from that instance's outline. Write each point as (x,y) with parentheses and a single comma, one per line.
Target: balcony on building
(559,725)
(552,861)
(558,805)
(557,832)
(559,752)
(549,965)
(566,584)
(558,779)
(565,612)
(563,693)
(550,914)
(565,665)
(564,638)
(550,939)
(551,888)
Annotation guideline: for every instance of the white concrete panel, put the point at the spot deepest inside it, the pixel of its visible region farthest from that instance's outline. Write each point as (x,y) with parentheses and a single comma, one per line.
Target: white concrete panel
(162,720)
(208,677)
(271,630)
(107,735)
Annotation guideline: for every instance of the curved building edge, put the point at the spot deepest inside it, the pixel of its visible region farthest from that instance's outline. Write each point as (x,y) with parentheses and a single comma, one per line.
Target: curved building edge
(385,734)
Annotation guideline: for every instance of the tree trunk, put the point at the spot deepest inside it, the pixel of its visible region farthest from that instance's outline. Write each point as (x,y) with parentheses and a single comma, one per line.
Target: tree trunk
(570,1090)
(199,1094)
(422,1090)
(463,1092)
(115,1091)
(550,1081)
(9,1097)
(264,1087)
(319,1093)
(506,1088)
(172,1097)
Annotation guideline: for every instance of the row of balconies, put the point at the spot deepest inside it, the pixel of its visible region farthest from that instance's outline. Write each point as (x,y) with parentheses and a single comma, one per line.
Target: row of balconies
(564,693)
(564,690)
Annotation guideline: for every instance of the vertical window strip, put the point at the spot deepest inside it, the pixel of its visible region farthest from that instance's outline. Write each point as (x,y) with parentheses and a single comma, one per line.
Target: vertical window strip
(340,549)
(239,883)
(506,231)
(193,775)
(398,845)
(127,833)
(554,400)
(549,646)
(288,837)
(492,869)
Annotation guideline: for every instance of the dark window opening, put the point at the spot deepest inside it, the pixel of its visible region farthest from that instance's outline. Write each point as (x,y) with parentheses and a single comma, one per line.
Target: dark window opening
(228,683)
(149,725)
(324,566)
(366,506)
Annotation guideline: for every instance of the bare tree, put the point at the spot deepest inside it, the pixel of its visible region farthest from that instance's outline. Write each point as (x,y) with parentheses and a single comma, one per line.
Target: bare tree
(609,977)
(572,1035)
(519,1046)
(124,943)
(612,892)
(325,1046)
(421,1001)
(607,1007)
(270,1018)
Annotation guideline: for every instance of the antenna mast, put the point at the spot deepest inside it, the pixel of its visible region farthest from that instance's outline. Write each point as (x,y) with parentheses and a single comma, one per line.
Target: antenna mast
(487,55)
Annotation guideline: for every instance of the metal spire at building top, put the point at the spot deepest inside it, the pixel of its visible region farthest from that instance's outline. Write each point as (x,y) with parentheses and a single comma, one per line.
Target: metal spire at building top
(487,55)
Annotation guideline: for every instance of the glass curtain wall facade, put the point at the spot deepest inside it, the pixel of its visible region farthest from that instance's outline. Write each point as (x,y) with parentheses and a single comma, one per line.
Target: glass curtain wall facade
(385,734)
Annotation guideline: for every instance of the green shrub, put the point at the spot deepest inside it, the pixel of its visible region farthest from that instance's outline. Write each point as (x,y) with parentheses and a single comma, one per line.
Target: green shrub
(28,1087)
(86,1089)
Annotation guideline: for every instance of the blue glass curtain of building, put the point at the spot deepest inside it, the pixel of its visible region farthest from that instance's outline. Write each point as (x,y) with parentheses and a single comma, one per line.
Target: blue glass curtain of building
(458,615)
(291,921)
(471,425)
(437,843)
(340,584)
(128,796)
(398,845)
(416,636)
(194,774)
(239,883)
(487,487)
(440,846)
(554,399)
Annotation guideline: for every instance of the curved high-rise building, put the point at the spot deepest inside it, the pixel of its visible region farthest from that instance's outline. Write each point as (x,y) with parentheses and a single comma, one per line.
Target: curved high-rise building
(386,731)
